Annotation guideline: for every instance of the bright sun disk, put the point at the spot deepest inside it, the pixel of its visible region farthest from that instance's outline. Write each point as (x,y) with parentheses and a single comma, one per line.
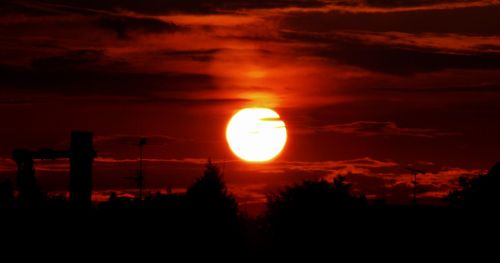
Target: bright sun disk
(256,134)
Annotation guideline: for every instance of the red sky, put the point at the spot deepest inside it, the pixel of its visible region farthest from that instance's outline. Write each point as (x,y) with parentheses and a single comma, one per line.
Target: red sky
(366,87)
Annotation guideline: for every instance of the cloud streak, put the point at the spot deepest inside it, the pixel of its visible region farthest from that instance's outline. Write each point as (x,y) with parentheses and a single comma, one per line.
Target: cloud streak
(124,25)
(388,53)
(373,128)
(384,7)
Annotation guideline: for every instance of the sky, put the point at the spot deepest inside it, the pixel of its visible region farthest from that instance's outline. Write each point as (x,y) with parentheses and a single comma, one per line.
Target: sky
(365,87)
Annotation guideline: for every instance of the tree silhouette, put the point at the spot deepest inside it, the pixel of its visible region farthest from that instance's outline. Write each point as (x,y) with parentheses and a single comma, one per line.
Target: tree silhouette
(213,211)
(314,196)
(310,210)
(6,194)
(479,192)
(209,193)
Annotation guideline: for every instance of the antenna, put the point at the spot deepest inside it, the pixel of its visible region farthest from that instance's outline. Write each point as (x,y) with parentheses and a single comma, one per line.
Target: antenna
(139,178)
(140,172)
(415,172)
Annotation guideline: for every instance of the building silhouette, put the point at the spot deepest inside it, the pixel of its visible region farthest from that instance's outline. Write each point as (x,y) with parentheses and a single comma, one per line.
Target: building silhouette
(81,156)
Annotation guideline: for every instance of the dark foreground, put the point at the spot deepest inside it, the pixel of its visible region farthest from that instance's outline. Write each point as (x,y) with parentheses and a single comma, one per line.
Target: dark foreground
(315,219)
(418,231)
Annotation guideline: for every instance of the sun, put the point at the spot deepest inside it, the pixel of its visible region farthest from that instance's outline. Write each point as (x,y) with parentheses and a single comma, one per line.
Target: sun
(256,134)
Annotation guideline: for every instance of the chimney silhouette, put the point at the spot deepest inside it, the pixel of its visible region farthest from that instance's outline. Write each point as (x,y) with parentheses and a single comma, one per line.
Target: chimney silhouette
(82,156)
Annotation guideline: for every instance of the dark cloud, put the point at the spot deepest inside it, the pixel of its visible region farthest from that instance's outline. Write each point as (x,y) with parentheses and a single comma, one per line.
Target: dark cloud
(97,81)
(62,78)
(13,101)
(406,3)
(489,47)
(134,139)
(123,25)
(10,7)
(69,59)
(154,7)
(202,55)
(392,59)
(489,88)
(473,20)
(373,128)
(89,74)
(180,101)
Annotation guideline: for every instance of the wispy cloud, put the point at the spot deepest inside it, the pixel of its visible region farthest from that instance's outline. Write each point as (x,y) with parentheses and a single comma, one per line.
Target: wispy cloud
(363,6)
(108,160)
(127,139)
(375,128)
(378,178)
(435,184)
(449,43)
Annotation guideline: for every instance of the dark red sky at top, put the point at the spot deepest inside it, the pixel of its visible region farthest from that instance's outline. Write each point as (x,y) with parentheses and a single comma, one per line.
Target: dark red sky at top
(366,87)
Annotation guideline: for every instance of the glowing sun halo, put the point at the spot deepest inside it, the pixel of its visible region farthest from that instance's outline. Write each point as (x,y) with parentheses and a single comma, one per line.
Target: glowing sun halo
(256,134)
